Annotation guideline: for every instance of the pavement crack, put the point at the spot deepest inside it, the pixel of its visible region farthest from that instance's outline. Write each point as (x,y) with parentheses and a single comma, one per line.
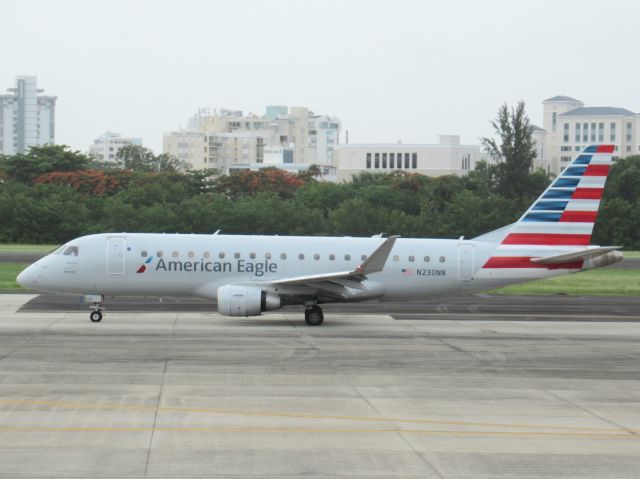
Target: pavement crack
(159,399)
(591,413)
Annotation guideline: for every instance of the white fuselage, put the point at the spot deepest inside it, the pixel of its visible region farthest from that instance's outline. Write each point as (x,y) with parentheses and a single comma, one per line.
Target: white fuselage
(138,264)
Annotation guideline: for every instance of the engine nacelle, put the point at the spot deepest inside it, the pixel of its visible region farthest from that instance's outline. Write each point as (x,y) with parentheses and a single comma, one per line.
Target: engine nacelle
(237,300)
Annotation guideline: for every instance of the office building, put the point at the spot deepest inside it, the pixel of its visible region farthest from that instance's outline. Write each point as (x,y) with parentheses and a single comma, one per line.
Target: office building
(447,157)
(570,126)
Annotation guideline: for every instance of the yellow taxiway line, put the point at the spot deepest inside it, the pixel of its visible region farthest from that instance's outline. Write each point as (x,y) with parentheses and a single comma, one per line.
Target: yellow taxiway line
(537,428)
(237,429)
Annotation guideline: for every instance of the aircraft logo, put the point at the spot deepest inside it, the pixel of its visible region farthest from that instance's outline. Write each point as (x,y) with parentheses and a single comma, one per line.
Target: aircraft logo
(143,266)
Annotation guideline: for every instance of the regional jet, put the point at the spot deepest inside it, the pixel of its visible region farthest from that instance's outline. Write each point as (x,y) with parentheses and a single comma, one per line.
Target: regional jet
(249,275)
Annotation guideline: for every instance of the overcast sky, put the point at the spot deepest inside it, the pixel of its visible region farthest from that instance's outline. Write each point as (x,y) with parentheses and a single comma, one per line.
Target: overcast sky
(392,70)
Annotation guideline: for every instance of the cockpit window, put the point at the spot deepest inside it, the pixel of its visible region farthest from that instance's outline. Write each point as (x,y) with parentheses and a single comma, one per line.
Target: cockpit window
(58,251)
(71,251)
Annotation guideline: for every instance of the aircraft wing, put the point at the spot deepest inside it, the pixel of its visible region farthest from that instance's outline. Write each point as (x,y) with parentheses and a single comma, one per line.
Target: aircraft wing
(373,264)
(583,254)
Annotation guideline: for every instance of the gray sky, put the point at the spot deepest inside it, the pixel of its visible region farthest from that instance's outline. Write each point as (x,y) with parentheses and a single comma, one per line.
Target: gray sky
(393,70)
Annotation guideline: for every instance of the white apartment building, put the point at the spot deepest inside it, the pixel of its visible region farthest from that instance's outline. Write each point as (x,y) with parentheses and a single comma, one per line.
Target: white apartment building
(232,140)
(570,126)
(448,157)
(26,118)
(187,146)
(106,146)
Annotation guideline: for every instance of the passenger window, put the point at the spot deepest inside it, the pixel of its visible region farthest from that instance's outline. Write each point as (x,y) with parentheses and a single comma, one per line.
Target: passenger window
(412,259)
(206,255)
(267,255)
(427,259)
(363,257)
(221,255)
(236,255)
(159,254)
(316,257)
(175,254)
(347,257)
(283,255)
(190,254)
(442,259)
(301,256)
(143,254)
(332,257)
(396,257)
(252,255)
(71,251)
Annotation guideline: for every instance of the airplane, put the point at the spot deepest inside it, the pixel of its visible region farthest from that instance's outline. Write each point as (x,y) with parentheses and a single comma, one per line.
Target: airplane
(249,275)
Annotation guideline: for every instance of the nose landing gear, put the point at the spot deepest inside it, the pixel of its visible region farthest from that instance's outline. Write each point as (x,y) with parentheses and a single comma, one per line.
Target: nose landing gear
(95,301)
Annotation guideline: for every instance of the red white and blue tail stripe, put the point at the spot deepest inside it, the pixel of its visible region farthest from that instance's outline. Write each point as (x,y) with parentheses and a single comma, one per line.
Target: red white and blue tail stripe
(562,218)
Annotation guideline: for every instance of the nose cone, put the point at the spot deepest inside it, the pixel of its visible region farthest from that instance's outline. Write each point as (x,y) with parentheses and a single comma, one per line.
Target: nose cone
(27,278)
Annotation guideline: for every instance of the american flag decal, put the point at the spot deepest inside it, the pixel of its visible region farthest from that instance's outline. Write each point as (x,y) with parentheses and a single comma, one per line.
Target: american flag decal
(407,271)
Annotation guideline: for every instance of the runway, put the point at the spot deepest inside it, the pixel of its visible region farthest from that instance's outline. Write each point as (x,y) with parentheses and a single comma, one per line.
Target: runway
(184,392)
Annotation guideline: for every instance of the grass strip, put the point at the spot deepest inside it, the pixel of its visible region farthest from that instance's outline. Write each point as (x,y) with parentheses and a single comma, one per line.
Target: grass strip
(618,282)
(8,274)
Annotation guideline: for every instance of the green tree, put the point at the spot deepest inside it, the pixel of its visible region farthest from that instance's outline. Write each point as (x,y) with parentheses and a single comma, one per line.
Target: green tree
(619,219)
(513,151)
(42,159)
(143,160)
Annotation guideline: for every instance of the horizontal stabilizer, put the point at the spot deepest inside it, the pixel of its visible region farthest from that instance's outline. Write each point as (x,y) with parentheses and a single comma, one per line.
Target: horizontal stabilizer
(582,254)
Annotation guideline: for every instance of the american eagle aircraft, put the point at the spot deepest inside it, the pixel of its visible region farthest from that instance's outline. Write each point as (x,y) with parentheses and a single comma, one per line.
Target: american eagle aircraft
(248,275)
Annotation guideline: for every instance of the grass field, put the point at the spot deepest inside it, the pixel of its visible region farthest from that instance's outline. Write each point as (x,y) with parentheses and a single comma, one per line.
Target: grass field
(22,248)
(8,273)
(589,283)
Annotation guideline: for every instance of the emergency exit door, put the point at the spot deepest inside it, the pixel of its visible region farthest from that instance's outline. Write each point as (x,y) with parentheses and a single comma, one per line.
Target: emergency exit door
(466,265)
(115,255)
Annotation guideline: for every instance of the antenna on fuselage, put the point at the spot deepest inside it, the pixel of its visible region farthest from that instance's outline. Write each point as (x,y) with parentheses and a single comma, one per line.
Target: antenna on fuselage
(216,233)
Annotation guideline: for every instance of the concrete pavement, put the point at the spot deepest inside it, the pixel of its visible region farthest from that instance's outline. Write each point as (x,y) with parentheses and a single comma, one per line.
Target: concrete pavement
(193,394)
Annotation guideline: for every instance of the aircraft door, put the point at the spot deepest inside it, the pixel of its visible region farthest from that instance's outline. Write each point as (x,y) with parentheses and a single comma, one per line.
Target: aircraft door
(466,265)
(115,255)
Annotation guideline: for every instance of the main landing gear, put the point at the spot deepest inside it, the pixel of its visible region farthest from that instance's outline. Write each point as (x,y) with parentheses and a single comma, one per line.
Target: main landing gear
(313,315)
(95,301)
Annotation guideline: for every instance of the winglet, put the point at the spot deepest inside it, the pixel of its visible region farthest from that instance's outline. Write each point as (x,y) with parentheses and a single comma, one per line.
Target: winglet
(378,258)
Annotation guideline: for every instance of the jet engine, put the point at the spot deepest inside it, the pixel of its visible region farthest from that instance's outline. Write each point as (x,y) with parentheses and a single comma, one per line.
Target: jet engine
(237,300)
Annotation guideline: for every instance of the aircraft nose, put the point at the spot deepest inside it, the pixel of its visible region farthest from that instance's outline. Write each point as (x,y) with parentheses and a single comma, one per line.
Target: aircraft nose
(27,277)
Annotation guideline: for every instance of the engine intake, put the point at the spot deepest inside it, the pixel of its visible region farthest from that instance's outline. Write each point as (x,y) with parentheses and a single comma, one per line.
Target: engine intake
(236,300)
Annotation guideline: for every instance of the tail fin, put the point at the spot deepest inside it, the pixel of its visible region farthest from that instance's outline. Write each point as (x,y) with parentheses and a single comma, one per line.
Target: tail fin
(565,213)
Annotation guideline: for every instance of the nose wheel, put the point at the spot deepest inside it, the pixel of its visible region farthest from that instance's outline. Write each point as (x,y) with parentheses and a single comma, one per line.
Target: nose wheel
(95,303)
(314,316)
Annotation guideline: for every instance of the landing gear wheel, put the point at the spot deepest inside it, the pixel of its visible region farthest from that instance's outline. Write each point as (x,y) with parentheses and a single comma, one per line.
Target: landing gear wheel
(95,316)
(314,316)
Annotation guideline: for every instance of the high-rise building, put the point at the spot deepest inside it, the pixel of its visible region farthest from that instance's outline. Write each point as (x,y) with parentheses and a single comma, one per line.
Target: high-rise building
(26,118)
(570,126)
(106,147)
